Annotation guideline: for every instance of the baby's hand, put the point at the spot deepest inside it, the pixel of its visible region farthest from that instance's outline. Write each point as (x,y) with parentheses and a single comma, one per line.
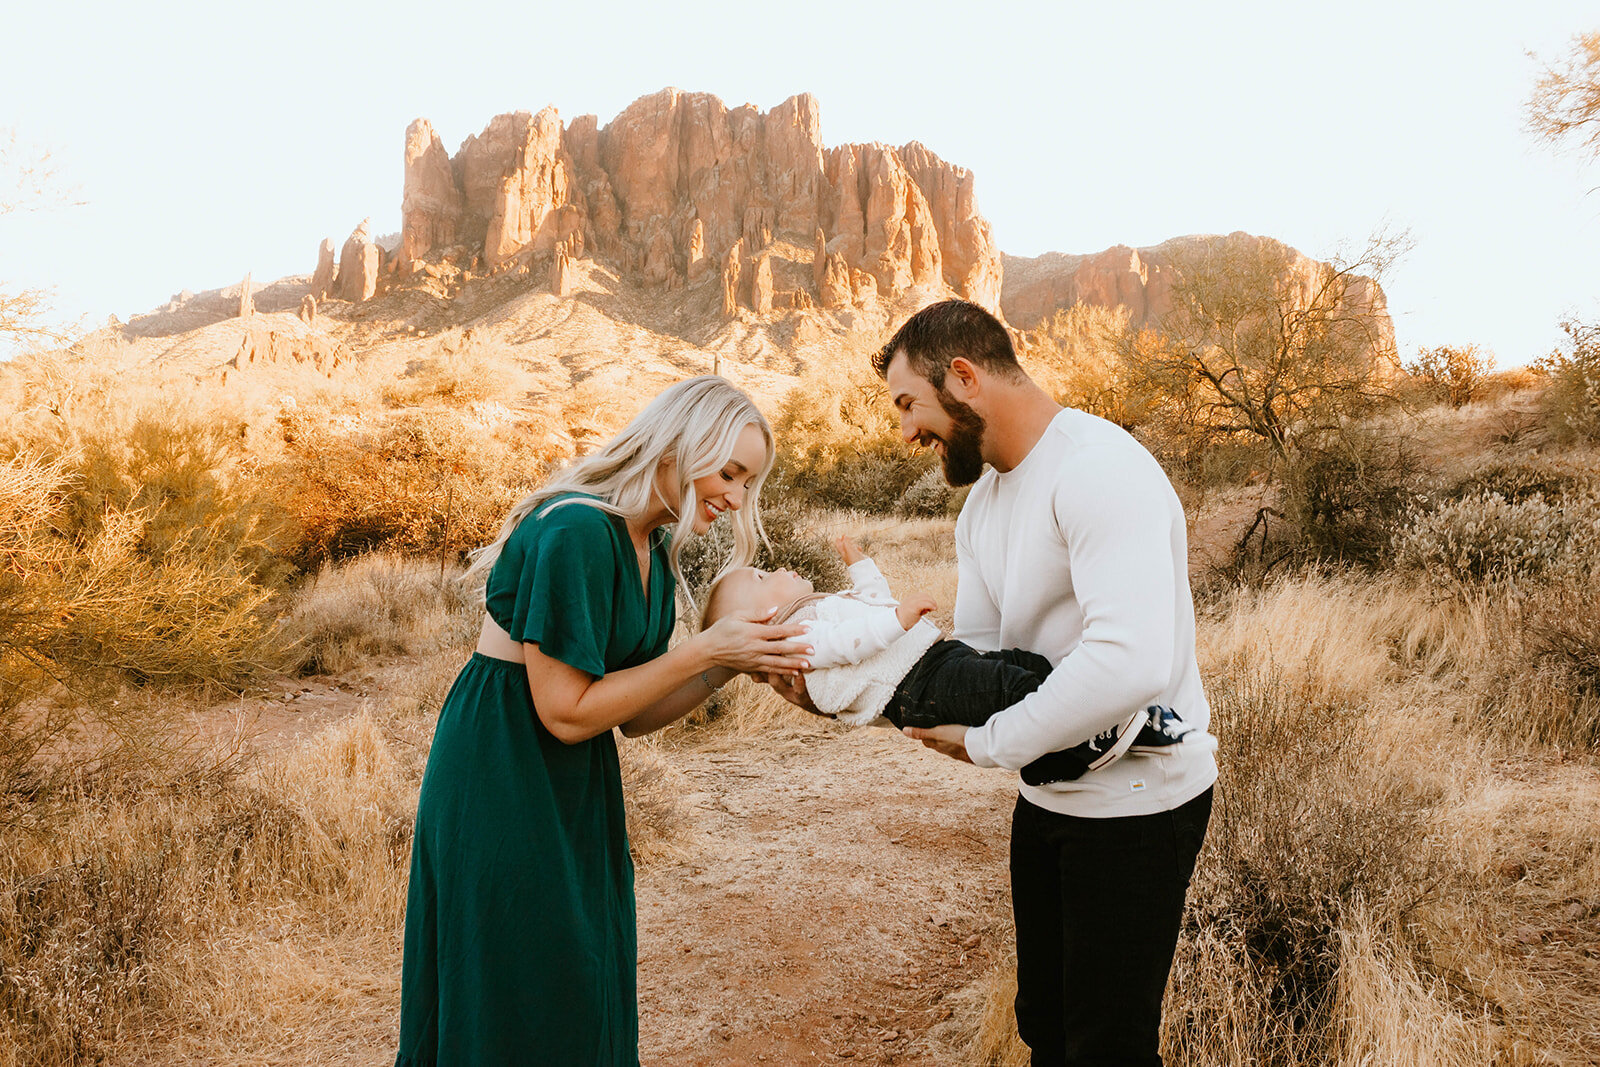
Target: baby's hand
(847,548)
(913,608)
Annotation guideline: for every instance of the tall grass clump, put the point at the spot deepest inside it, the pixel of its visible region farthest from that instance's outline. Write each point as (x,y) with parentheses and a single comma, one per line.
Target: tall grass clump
(116,925)
(378,605)
(1303,835)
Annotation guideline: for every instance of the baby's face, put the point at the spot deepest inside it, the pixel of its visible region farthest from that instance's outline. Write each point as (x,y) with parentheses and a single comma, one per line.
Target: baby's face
(751,589)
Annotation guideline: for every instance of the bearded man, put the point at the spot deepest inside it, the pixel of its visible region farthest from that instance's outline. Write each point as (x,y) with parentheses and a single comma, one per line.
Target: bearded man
(1073,546)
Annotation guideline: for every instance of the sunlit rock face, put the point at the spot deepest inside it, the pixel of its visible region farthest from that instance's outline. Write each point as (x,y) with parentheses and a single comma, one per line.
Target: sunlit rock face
(670,187)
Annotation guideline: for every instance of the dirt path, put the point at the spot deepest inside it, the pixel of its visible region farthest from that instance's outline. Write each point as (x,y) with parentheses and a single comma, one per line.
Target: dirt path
(838,891)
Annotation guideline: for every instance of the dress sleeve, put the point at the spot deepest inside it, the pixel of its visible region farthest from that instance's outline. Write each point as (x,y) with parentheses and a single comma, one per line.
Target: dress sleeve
(566,593)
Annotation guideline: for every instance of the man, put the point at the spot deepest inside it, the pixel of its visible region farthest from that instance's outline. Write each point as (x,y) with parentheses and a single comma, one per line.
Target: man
(1073,546)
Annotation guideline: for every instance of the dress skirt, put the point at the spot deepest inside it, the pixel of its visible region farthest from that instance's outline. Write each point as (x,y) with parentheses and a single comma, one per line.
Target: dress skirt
(520,939)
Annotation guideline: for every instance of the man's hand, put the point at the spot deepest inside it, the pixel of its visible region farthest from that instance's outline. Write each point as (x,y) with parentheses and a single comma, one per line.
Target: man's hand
(951,740)
(913,608)
(847,548)
(792,687)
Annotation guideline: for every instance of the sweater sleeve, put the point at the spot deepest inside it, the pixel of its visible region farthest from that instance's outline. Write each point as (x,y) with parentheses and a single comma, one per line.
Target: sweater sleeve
(1115,513)
(867,631)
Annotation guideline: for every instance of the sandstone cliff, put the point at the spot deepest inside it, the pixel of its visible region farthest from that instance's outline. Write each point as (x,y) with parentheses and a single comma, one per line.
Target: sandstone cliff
(1140,279)
(675,182)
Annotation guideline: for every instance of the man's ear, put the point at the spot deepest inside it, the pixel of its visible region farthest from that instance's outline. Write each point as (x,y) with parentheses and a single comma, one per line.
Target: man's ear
(962,379)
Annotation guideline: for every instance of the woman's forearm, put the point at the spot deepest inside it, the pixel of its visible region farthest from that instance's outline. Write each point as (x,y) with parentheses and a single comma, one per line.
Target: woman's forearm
(575,706)
(679,703)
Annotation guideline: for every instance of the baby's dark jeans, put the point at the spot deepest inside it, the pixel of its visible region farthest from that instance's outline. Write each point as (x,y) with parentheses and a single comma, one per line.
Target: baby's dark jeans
(955,683)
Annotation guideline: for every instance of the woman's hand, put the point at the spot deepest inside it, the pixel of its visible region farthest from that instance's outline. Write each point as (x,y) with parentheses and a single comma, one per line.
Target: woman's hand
(951,740)
(746,642)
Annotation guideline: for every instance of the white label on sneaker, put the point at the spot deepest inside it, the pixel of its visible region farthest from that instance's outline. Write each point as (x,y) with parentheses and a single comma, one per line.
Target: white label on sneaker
(1136,786)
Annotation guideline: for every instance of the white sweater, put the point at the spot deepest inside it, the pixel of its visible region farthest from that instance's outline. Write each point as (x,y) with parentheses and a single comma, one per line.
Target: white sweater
(1080,553)
(860,652)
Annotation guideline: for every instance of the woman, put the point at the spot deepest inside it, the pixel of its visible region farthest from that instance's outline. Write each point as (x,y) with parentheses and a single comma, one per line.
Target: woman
(520,932)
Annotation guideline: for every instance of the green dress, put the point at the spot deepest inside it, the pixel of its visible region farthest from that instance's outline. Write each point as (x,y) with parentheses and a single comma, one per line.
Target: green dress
(520,943)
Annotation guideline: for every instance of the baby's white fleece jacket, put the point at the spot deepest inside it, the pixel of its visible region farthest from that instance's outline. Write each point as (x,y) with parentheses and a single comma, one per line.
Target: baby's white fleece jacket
(860,651)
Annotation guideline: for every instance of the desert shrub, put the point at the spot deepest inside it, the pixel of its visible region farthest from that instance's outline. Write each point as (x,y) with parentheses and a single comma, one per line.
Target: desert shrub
(378,605)
(96,610)
(1485,537)
(1074,357)
(463,367)
(1453,373)
(1521,478)
(1572,399)
(1346,496)
(929,496)
(1543,685)
(1303,835)
(420,483)
(839,442)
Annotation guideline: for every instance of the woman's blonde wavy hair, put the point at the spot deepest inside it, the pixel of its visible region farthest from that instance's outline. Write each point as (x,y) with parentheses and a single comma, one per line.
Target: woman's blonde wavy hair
(696,423)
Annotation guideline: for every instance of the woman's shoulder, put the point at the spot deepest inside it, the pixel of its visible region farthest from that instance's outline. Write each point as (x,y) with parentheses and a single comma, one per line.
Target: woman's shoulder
(575,512)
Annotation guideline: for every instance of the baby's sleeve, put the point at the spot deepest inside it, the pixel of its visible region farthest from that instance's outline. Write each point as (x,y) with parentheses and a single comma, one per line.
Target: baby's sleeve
(867,579)
(838,642)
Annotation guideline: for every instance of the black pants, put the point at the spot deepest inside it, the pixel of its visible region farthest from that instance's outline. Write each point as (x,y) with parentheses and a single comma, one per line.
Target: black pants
(1098,904)
(955,683)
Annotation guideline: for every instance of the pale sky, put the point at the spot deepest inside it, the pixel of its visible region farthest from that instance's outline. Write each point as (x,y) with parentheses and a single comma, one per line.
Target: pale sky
(207,141)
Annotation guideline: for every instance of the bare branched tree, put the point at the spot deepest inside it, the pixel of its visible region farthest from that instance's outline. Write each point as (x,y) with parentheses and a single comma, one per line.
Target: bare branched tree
(29,181)
(1564,107)
(1262,342)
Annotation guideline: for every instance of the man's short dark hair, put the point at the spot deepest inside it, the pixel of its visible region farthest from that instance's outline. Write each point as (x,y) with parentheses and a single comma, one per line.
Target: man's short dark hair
(940,332)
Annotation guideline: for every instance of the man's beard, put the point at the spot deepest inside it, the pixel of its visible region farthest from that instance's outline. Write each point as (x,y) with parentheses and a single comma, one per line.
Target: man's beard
(963,446)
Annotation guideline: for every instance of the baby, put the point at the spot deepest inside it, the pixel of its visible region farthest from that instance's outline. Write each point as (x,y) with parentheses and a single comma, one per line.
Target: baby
(877,658)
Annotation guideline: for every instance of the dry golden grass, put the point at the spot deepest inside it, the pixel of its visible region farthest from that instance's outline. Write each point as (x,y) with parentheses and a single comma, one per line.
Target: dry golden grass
(376,605)
(1397,850)
(1391,877)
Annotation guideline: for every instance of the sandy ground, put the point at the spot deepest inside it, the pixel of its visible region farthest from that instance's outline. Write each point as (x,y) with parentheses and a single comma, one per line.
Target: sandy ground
(836,896)
(839,891)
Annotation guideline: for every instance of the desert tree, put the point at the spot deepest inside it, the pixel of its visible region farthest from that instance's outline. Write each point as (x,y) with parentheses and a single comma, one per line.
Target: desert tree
(1262,343)
(1457,371)
(29,181)
(1564,107)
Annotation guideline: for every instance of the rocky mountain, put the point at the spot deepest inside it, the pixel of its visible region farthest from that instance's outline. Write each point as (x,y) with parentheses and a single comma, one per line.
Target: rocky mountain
(679,185)
(682,236)
(1140,279)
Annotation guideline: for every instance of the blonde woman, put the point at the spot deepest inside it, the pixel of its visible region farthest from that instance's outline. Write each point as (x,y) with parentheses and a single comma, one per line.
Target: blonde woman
(520,932)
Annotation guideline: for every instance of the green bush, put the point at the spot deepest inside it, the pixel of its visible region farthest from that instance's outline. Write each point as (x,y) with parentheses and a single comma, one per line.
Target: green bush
(1572,400)
(1484,537)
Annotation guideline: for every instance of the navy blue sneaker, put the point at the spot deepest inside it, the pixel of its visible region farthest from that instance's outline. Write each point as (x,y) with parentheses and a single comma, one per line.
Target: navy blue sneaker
(1162,729)
(1101,750)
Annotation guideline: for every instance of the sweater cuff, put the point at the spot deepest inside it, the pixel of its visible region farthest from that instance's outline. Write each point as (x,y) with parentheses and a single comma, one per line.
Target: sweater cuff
(978,746)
